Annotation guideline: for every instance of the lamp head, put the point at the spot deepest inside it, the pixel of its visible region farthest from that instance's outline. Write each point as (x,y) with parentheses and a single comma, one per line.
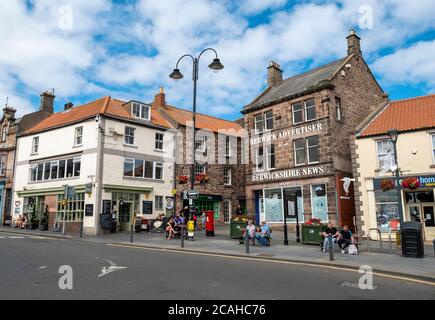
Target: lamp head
(216,65)
(176,75)
(393,133)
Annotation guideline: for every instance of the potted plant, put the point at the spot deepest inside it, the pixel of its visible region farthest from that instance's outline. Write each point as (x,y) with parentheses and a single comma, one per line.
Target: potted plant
(43,226)
(33,222)
(411,183)
(387,185)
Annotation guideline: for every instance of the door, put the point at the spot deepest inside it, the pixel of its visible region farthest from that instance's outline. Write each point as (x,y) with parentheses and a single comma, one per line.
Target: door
(414,213)
(428,216)
(125,216)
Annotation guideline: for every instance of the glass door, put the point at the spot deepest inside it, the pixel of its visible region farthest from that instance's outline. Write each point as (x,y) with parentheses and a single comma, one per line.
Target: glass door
(414,213)
(428,216)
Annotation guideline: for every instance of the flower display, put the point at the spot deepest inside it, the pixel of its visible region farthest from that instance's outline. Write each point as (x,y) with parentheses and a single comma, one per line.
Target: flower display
(411,183)
(387,185)
(313,221)
(201,178)
(182,179)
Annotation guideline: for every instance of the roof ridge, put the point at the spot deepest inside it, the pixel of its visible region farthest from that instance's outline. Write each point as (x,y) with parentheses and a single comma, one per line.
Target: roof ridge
(198,113)
(105,105)
(315,69)
(413,98)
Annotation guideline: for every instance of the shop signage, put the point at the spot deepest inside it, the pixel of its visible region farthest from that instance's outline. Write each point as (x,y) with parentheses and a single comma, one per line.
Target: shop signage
(147,207)
(89,210)
(287,174)
(426,181)
(169,203)
(286,133)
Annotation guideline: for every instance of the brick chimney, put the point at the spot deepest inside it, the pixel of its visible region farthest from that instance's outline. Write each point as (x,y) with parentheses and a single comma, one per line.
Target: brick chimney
(9,112)
(353,43)
(274,74)
(47,101)
(159,99)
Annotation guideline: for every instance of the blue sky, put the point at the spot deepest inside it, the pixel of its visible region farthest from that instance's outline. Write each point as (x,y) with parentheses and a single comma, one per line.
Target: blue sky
(126,49)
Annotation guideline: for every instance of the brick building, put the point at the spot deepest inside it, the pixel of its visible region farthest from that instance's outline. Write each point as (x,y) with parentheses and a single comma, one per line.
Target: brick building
(299,132)
(11,128)
(218,160)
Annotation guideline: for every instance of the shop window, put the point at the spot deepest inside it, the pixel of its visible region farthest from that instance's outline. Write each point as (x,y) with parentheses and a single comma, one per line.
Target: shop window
(387,208)
(273,205)
(289,208)
(74,209)
(319,203)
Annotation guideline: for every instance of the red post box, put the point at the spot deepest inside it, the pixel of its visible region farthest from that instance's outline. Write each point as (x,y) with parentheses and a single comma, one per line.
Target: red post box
(209,224)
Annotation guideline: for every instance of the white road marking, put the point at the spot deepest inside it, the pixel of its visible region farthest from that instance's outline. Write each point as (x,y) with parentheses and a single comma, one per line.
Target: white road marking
(42,267)
(16,237)
(113,267)
(2,237)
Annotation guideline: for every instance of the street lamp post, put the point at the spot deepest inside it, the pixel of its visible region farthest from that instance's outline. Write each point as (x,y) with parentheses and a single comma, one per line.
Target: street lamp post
(394,134)
(177,75)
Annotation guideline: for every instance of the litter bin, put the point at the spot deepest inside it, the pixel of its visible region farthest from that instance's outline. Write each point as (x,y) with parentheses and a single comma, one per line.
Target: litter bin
(237,228)
(209,224)
(311,233)
(412,240)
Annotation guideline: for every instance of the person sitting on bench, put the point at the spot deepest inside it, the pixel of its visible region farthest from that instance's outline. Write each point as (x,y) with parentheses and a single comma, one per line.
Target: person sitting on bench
(170,229)
(330,230)
(346,238)
(264,234)
(250,229)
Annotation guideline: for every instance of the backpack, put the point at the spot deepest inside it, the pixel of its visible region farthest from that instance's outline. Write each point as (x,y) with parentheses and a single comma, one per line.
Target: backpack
(353,250)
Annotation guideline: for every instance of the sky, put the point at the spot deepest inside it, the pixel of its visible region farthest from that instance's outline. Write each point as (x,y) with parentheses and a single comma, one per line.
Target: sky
(126,49)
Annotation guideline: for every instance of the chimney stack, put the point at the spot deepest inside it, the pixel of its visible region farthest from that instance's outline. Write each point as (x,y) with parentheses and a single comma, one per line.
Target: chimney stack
(353,43)
(68,106)
(159,99)
(9,112)
(274,74)
(47,101)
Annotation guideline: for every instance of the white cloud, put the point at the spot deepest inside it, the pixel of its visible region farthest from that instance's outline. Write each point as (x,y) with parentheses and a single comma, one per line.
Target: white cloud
(253,7)
(412,65)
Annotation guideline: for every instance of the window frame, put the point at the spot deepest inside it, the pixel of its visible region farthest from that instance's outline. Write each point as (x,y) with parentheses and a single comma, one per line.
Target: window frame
(156,165)
(129,135)
(199,143)
(3,159)
(143,110)
(256,130)
(4,133)
(129,161)
(204,171)
(78,136)
(377,150)
(35,145)
(228,177)
(311,147)
(228,146)
(306,109)
(265,126)
(298,149)
(432,137)
(159,203)
(301,111)
(257,157)
(268,156)
(338,109)
(159,142)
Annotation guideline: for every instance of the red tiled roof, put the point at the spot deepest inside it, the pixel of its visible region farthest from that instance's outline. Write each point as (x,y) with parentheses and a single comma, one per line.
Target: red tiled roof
(403,115)
(105,105)
(205,122)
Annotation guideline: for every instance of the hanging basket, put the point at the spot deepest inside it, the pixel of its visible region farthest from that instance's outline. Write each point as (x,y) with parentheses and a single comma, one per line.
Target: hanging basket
(387,185)
(182,179)
(411,183)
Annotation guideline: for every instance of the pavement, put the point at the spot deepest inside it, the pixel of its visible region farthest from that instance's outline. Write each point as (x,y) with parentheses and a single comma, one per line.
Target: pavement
(42,267)
(379,259)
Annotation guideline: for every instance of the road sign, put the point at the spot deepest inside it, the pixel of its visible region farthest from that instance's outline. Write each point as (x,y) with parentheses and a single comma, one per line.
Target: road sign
(192,194)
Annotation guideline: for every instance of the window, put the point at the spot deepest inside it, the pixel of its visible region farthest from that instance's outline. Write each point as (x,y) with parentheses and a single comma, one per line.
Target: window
(313,149)
(74,210)
(149,167)
(227,210)
(299,150)
(297,113)
(47,170)
(200,169)
(273,205)
(310,110)
(129,135)
(227,146)
(227,176)
(159,141)
(338,114)
(138,169)
(140,110)
(385,152)
(54,169)
(258,123)
(433,148)
(319,203)
(78,137)
(270,155)
(62,169)
(128,167)
(387,208)
(40,171)
(158,170)
(77,165)
(33,172)
(159,202)
(259,159)
(200,141)
(268,120)
(3,165)
(4,132)
(35,145)
(263,121)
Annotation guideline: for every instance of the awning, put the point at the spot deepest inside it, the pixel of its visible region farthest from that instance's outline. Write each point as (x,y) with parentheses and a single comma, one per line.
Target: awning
(47,191)
(126,189)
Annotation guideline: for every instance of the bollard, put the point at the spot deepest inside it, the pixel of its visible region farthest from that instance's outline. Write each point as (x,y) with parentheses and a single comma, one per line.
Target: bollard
(331,248)
(182,235)
(433,247)
(131,234)
(247,241)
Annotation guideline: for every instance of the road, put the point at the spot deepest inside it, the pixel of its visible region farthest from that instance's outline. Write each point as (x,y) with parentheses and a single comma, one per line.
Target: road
(29,270)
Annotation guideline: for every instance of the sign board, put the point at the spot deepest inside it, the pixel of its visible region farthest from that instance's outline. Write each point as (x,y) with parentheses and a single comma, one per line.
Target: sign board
(106,206)
(147,207)
(89,210)
(88,188)
(106,221)
(69,191)
(192,194)
(169,203)
(17,204)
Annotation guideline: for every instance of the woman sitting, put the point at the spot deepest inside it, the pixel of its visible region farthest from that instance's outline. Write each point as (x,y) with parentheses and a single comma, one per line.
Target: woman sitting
(19,222)
(170,229)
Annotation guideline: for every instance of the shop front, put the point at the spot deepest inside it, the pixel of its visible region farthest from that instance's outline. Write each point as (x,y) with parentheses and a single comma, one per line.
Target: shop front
(417,198)
(208,202)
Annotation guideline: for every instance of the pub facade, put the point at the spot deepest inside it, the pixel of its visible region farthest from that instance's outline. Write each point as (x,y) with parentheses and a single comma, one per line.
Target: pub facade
(299,140)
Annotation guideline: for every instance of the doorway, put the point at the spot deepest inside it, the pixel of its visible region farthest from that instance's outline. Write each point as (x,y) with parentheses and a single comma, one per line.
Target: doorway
(125,216)
(421,208)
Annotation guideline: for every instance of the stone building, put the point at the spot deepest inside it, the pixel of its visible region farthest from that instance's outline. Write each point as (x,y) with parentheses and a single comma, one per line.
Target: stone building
(218,160)
(299,130)
(11,129)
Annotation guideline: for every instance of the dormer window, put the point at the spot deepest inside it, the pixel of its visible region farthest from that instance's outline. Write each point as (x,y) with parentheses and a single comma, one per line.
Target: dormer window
(140,110)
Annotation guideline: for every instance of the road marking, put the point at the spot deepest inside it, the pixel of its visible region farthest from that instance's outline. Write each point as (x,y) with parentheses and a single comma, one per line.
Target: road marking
(113,267)
(16,237)
(380,274)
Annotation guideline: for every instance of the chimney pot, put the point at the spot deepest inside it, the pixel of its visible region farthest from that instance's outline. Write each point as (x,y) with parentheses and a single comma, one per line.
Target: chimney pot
(274,74)
(160,99)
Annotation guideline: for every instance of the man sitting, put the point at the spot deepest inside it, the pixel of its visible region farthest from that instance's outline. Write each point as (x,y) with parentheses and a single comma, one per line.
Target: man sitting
(264,234)
(346,238)
(330,231)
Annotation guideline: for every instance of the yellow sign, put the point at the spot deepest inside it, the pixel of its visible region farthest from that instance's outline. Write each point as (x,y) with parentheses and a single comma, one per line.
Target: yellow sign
(190,226)
(174,192)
